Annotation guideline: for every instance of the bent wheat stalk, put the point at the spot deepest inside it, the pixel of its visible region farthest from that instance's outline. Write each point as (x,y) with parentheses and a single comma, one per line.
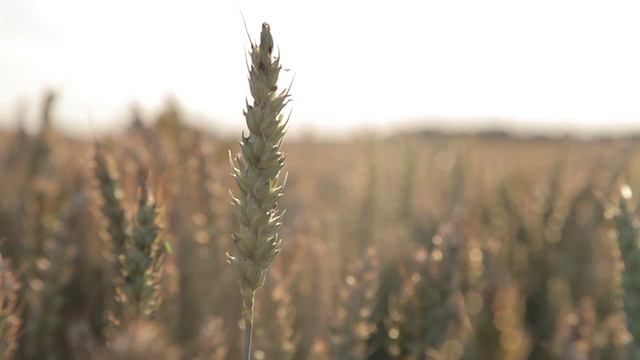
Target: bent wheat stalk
(256,172)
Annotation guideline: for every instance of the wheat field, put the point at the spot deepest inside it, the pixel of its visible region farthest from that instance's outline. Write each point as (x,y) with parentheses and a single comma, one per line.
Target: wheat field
(416,245)
(410,246)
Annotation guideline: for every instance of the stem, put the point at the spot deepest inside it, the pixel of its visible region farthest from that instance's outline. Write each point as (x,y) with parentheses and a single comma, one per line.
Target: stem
(248,334)
(248,324)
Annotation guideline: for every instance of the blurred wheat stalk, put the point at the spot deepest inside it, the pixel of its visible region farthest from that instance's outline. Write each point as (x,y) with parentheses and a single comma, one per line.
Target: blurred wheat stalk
(9,311)
(626,226)
(256,172)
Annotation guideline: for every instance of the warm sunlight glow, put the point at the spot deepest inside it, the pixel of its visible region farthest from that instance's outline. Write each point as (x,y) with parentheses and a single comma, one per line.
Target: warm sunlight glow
(543,65)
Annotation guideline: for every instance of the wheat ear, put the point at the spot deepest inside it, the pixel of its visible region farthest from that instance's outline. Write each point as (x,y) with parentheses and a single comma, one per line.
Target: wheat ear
(108,184)
(256,172)
(143,260)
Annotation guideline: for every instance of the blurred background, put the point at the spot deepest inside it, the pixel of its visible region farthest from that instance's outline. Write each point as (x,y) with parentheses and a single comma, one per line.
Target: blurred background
(543,67)
(476,205)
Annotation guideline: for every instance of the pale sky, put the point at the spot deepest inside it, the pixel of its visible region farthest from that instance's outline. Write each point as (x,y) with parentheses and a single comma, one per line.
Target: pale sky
(543,64)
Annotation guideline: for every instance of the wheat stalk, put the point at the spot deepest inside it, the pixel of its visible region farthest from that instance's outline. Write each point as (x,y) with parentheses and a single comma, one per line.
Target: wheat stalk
(427,318)
(10,319)
(257,172)
(352,323)
(626,226)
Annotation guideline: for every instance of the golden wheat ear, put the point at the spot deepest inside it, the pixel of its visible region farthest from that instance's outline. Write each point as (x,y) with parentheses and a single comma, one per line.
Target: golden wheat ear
(256,171)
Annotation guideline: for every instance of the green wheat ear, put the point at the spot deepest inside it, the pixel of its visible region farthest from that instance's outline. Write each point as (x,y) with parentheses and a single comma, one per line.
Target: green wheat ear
(257,172)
